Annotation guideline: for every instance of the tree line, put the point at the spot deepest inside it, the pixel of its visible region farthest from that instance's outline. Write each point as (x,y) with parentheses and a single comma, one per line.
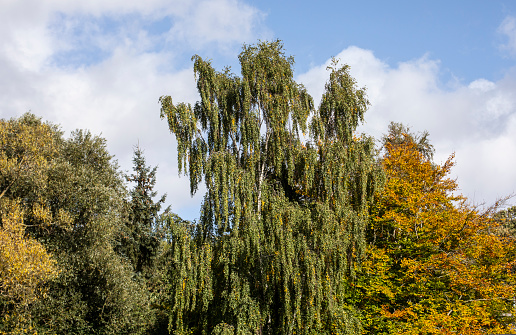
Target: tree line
(306,227)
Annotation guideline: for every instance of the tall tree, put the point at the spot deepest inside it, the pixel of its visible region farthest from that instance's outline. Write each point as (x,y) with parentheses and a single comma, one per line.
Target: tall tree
(283,220)
(435,265)
(141,241)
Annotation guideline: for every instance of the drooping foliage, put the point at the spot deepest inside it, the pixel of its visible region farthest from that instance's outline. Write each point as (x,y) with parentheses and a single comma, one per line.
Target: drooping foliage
(295,235)
(283,219)
(435,265)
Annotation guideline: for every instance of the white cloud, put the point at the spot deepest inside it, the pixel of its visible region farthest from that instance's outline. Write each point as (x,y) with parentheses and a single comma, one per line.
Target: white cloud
(476,121)
(482,85)
(508,29)
(217,20)
(32,31)
(115,94)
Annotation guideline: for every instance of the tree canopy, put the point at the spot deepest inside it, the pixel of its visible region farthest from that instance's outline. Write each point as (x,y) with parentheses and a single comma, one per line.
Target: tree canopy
(288,189)
(61,206)
(435,264)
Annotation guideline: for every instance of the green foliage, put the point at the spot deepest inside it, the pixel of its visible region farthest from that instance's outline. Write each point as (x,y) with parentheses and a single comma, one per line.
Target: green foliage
(85,184)
(27,147)
(507,220)
(140,241)
(303,228)
(399,134)
(283,221)
(71,199)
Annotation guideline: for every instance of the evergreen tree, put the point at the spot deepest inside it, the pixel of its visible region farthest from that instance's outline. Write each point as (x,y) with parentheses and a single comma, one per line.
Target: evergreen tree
(283,220)
(140,242)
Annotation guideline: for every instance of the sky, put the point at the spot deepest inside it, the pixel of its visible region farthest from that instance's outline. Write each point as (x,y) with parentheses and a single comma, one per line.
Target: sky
(447,67)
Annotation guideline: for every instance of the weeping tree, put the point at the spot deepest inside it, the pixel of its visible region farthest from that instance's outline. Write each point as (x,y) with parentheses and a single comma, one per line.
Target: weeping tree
(288,189)
(399,134)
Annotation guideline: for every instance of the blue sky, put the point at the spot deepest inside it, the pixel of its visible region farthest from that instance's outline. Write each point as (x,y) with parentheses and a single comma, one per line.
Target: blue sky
(446,67)
(462,34)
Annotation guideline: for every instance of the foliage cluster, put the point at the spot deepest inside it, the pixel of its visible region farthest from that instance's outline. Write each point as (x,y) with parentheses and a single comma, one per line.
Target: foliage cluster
(435,264)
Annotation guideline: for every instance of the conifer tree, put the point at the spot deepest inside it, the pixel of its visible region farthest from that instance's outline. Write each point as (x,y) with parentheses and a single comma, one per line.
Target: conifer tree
(283,219)
(140,242)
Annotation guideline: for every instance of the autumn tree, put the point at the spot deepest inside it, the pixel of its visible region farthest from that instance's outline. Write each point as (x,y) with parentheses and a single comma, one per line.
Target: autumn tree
(27,148)
(283,219)
(24,266)
(435,265)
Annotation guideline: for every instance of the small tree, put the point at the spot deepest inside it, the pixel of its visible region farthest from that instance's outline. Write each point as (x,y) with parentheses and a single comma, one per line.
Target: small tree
(140,242)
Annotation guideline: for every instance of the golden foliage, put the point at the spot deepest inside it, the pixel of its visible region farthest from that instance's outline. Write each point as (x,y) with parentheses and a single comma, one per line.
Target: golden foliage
(27,147)
(435,264)
(24,266)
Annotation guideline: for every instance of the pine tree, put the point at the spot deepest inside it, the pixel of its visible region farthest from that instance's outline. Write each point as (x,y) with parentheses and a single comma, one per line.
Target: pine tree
(141,241)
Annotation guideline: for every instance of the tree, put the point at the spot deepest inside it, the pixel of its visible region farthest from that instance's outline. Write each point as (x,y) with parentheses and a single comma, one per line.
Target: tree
(435,265)
(140,243)
(283,221)
(97,290)
(507,219)
(398,134)
(62,207)
(27,147)
(24,266)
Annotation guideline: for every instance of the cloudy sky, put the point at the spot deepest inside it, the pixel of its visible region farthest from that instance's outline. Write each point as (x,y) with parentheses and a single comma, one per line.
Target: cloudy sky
(442,66)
